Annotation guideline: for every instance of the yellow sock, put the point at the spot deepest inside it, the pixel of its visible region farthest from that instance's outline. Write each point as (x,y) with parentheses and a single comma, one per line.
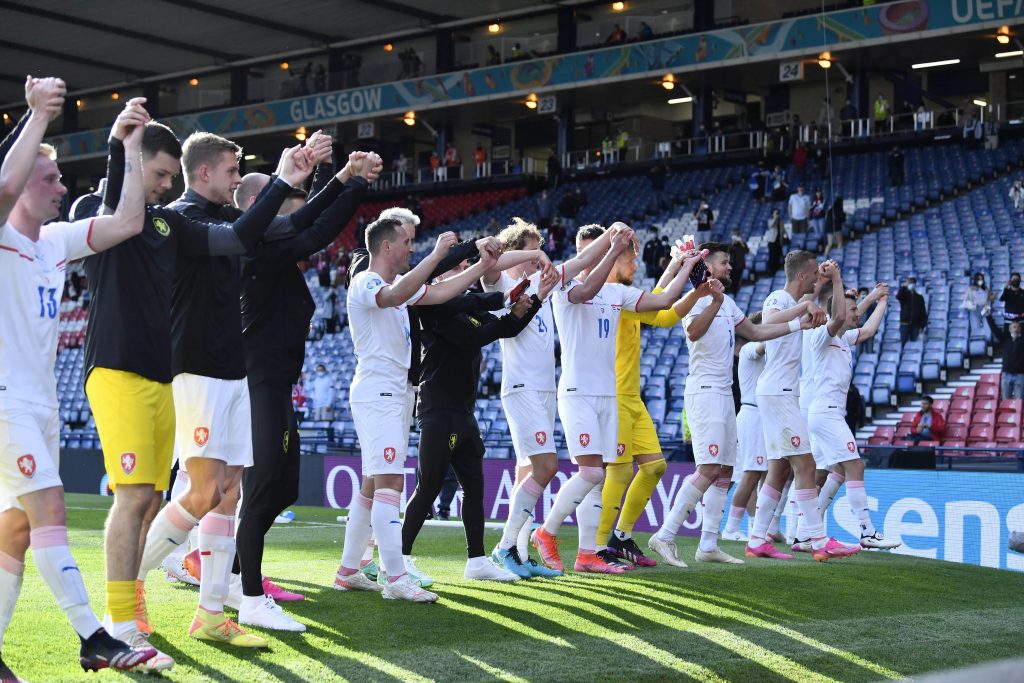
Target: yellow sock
(121,600)
(616,479)
(639,493)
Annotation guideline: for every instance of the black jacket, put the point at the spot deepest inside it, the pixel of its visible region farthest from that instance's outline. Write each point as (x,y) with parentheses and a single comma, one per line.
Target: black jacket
(452,341)
(912,310)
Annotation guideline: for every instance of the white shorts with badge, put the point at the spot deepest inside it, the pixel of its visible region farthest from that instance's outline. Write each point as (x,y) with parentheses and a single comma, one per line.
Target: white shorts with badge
(591,425)
(29,450)
(212,419)
(751,456)
(383,435)
(531,421)
(410,407)
(832,441)
(784,427)
(712,420)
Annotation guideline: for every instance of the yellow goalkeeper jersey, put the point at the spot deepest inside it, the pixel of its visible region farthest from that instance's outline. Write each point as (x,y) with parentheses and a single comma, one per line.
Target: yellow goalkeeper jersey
(627,346)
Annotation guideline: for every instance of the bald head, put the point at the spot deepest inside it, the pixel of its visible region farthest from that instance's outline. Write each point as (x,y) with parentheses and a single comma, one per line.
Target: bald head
(250,187)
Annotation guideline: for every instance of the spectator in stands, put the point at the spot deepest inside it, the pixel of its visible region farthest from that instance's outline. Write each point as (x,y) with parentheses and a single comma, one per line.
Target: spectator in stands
(659,174)
(913,314)
(654,250)
(921,118)
(738,251)
(556,236)
(800,162)
(705,218)
(897,166)
(608,150)
(439,172)
(869,345)
(1012,379)
(569,207)
(777,235)
(480,159)
(413,205)
(973,130)
(799,210)
(323,272)
(554,169)
(322,393)
(516,52)
(493,56)
(1013,301)
(825,117)
(760,181)
(928,424)
(846,116)
(816,217)
(835,226)
(331,312)
(977,307)
(646,32)
(545,210)
(881,113)
(616,37)
(1017,195)
(320,78)
(451,157)
(820,159)
(780,186)
(400,167)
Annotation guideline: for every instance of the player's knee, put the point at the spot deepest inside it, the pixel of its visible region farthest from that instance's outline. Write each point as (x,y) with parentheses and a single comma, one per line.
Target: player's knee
(655,468)
(595,475)
(15,527)
(201,498)
(544,471)
(620,472)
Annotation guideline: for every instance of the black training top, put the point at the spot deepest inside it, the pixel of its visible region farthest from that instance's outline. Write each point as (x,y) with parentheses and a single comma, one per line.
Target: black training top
(452,341)
(130,314)
(276,305)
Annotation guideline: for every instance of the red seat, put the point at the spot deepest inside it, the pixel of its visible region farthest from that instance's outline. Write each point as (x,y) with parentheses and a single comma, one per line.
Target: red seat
(1008,434)
(964,392)
(883,436)
(986,419)
(983,444)
(1011,405)
(952,443)
(986,405)
(941,405)
(908,418)
(956,432)
(902,431)
(988,391)
(902,442)
(962,404)
(980,433)
(990,378)
(1007,419)
(958,417)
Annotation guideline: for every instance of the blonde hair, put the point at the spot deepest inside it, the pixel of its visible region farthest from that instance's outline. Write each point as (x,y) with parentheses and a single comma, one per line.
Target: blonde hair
(205,148)
(399,214)
(517,234)
(48,151)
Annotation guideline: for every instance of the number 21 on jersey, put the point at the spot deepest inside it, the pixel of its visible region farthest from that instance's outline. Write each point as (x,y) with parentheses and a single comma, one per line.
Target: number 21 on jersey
(603,328)
(48,302)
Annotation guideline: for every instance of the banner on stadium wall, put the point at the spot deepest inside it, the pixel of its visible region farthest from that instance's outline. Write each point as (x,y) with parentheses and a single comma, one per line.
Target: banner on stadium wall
(845,29)
(955,516)
(341,480)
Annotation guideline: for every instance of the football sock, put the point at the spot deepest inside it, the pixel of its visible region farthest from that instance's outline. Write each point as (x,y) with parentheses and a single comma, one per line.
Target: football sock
(714,508)
(520,511)
(773,527)
(12,573)
(858,497)
(388,527)
(588,516)
(60,572)
(169,530)
(828,491)
(571,495)
(807,501)
(767,502)
(639,493)
(216,551)
(357,532)
(617,478)
(732,525)
(685,501)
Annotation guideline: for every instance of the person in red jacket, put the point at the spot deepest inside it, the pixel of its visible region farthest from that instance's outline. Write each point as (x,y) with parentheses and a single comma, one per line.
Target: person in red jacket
(928,424)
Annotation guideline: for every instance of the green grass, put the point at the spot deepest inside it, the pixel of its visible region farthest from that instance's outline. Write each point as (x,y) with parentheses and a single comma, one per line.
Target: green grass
(869,618)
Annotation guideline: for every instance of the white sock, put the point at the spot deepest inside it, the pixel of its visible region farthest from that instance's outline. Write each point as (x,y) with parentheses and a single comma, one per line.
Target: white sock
(60,572)
(177,491)
(251,602)
(714,508)
(767,503)
(732,525)
(216,554)
(358,530)
(12,573)
(829,490)
(858,497)
(523,540)
(371,545)
(773,527)
(686,500)
(388,527)
(570,496)
(588,517)
(520,511)
(812,527)
(169,530)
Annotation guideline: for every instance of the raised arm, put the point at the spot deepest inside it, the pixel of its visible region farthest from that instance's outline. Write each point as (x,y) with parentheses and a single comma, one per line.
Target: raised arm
(774,330)
(699,325)
(399,292)
(870,328)
(599,274)
(665,299)
(511,259)
(129,218)
(443,291)
(837,317)
(45,97)
(327,226)
(589,256)
(465,335)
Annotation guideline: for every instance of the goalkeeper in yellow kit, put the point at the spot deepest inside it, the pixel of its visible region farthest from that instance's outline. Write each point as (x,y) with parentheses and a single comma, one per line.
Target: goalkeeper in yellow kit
(638,438)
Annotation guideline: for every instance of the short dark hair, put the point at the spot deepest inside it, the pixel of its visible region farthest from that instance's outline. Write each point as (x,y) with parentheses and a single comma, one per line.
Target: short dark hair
(589,232)
(714,248)
(796,261)
(205,148)
(928,398)
(828,304)
(156,138)
(380,230)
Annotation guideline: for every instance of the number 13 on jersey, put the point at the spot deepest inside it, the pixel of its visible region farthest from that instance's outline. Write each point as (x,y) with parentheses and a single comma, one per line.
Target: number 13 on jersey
(48,302)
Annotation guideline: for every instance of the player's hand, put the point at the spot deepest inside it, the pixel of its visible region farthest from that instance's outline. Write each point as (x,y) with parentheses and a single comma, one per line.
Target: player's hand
(45,96)
(488,259)
(319,146)
(548,281)
(522,305)
(807,322)
(376,168)
(717,290)
(132,116)
(693,257)
(490,244)
(133,142)
(620,240)
(445,241)
(881,291)
(295,165)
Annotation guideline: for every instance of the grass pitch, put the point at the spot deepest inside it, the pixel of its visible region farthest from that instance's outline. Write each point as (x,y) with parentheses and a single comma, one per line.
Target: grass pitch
(873,617)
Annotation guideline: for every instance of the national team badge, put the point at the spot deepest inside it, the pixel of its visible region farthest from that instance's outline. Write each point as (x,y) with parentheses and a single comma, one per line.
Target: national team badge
(851,446)
(201,436)
(161,226)
(795,441)
(128,462)
(389,454)
(584,440)
(541,437)
(713,449)
(760,460)
(27,465)
(452,440)
(620,450)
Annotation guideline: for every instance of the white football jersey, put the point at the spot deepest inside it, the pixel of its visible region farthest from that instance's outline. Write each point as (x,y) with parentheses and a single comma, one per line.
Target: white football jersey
(381,340)
(711,356)
(587,331)
(751,365)
(833,369)
(806,371)
(781,376)
(528,359)
(32,282)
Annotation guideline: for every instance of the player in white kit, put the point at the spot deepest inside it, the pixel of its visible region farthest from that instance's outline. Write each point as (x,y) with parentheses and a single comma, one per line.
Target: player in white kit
(587,315)
(786,437)
(751,459)
(379,322)
(528,389)
(33,261)
(711,328)
(834,444)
